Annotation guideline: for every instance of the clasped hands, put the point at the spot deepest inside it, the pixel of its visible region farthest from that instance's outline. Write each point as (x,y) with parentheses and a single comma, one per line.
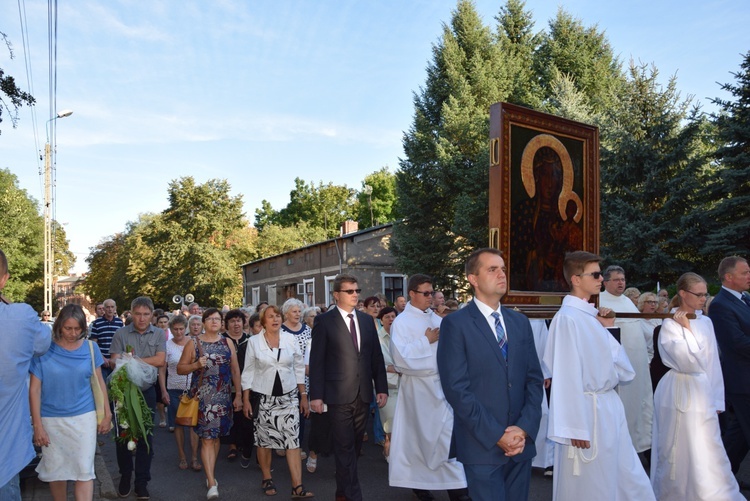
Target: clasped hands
(513,441)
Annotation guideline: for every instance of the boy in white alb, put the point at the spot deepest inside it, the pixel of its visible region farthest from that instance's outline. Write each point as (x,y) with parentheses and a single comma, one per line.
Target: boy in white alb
(594,456)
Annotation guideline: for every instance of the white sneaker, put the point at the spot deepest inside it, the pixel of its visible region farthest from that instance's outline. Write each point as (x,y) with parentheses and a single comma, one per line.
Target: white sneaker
(213,492)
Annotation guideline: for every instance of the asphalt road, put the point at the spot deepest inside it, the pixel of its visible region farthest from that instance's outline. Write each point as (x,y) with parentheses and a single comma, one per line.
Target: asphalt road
(170,483)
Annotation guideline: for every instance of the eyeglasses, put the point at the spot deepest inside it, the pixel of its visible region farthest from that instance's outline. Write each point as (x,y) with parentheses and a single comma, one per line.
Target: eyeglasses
(701,295)
(351,291)
(651,302)
(615,280)
(595,274)
(425,293)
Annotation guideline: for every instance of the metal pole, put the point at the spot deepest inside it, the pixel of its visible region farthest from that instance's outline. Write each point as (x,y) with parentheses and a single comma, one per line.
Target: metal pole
(47,229)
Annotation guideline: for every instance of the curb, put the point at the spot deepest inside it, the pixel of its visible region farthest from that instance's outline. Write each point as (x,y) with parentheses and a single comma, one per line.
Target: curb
(106,485)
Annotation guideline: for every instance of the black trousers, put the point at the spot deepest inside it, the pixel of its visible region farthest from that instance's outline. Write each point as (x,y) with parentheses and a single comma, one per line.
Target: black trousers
(143,454)
(348,424)
(737,434)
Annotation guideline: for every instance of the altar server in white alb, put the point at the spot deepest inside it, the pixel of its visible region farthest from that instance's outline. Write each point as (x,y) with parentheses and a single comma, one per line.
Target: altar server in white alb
(638,394)
(594,457)
(688,457)
(423,421)
(544,447)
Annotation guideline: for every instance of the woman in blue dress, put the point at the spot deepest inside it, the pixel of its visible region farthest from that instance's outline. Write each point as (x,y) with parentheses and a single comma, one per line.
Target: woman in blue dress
(214,362)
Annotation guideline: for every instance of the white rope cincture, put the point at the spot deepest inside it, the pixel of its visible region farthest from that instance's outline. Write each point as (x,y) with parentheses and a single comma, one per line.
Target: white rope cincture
(575,453)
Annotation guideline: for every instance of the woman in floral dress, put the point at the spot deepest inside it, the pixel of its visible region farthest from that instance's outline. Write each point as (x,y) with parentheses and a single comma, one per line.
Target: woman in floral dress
(214,362)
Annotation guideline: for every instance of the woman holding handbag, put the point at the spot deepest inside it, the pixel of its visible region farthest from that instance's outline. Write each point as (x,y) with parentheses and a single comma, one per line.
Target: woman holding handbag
(63,408)
(215,362)
(173,387)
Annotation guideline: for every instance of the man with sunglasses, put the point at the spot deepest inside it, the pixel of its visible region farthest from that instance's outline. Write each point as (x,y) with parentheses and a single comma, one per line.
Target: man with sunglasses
(345,361)
(419,457)
(594,456)
(637,395)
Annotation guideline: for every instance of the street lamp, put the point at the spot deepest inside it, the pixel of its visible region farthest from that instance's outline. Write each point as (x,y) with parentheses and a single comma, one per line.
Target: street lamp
(48,252)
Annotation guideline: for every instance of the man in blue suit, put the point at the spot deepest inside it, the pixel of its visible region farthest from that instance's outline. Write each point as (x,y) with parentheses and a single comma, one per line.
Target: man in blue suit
(730,314)
(491,377)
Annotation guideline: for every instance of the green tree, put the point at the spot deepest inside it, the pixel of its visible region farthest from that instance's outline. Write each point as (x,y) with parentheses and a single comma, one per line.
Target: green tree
(376,200)
(730,191)
(518,44)
(14,97)
(21,237)
(324,206)
(194,246)
(443,185)
(652,170)
(276,239)
(584,55)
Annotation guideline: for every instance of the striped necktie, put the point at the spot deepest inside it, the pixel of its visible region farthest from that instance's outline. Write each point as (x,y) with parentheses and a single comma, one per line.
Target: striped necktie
(500,333)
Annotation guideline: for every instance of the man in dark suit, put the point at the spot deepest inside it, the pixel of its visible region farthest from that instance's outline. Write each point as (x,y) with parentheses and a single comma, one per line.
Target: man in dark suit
(345,359)
(730,314)
(490,374)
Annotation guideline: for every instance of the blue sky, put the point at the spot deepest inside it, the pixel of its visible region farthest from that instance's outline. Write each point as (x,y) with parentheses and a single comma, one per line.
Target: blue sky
(260,92)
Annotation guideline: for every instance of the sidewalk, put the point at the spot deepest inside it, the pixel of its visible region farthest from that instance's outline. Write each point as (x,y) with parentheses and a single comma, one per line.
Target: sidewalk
(33,489)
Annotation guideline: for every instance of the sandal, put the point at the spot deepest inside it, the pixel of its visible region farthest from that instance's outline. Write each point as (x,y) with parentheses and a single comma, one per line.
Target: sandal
(196,465)
(183,464)
(232,455)
(267,485)
(312,464)
(299,492)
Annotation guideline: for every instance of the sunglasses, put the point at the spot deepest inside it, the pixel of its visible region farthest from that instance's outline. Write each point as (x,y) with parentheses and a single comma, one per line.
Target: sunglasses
(596,274)
(351,291)
(425,293)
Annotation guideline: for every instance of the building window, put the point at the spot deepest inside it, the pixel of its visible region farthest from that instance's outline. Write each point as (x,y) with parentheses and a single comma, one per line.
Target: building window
(272,265)
(308,256)
(271,289)
(309,291)
(331,250)
(329,289)
(255,296)
(289,261)
(393,286)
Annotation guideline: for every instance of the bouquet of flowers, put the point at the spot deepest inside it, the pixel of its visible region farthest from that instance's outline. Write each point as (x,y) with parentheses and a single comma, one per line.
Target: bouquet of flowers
(132,416)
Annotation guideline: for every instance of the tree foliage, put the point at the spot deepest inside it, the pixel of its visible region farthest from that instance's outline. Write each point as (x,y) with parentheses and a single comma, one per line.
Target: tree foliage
(652,167)
(22,241)
(442,185)
(324,206)
(730,215)
(376,201)
(11,96)
(194,246)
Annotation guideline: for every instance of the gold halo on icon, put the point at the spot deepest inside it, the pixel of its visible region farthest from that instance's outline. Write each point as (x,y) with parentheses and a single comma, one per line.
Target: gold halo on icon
(527,173)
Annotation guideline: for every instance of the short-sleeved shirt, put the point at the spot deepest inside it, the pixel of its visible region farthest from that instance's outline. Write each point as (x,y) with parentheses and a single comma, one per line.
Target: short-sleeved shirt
(102,331)
(24,337)
(144,345)
(66,379)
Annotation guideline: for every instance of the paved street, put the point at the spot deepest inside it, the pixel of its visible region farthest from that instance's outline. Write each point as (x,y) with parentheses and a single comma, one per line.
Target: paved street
(170,483)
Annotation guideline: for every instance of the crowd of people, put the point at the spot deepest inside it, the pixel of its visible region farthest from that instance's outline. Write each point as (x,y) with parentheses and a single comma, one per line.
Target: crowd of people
(463,397)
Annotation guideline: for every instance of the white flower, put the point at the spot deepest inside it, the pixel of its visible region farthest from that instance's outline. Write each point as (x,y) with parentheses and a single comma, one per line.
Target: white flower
(131,446)
(118,405)
(124,425)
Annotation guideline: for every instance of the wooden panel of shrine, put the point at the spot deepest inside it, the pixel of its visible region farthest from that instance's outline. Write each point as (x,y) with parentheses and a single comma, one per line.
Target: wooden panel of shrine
(543,201)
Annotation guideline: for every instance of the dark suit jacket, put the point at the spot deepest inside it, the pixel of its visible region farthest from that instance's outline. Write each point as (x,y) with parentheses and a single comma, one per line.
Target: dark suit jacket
(731,319)
(487,393)
(337,371)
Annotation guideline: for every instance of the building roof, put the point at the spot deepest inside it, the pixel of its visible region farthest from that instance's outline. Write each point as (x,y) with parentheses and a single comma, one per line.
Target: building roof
(322,242)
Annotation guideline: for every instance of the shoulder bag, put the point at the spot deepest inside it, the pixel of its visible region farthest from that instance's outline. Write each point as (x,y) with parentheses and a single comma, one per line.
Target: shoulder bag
(187,412)
(96,389)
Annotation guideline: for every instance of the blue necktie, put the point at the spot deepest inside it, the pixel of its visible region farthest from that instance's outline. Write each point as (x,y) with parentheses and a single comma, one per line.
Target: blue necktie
(500,333)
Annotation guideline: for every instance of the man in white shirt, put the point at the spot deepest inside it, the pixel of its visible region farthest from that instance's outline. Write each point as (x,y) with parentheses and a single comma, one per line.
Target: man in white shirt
(422,425)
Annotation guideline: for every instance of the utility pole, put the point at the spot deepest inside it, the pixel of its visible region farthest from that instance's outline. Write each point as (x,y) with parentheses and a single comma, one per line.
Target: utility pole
(49,254)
